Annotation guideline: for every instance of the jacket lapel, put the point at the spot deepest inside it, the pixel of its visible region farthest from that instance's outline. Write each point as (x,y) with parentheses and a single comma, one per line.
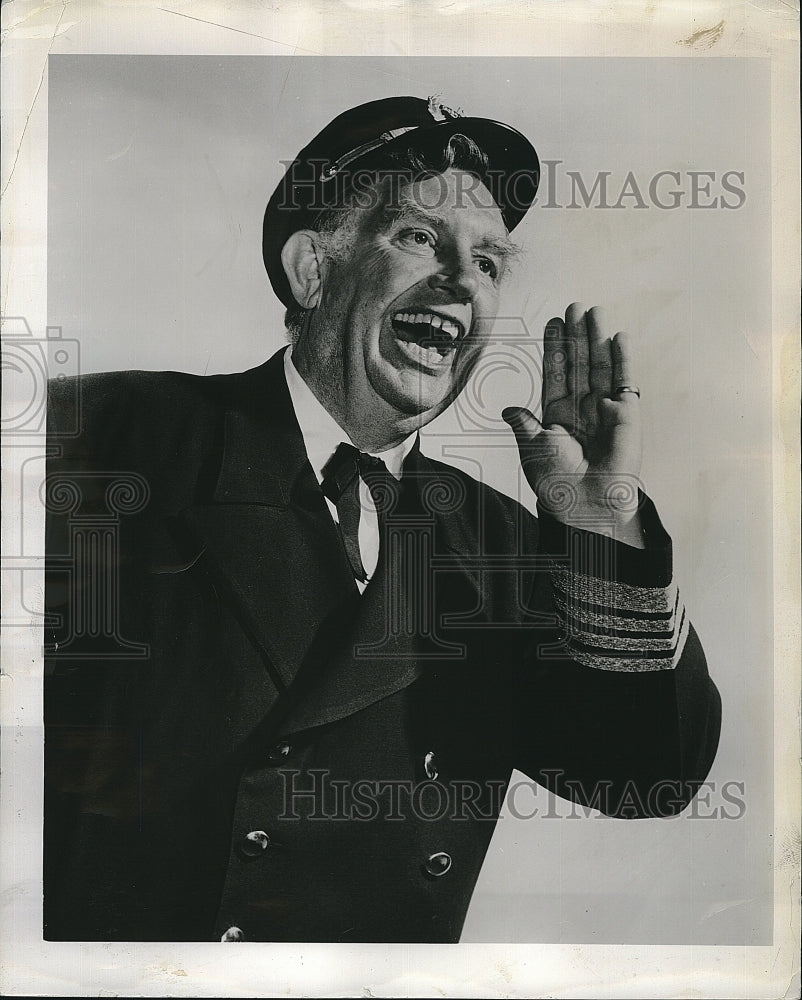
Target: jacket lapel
(396,635)
(276,557)
(266,533)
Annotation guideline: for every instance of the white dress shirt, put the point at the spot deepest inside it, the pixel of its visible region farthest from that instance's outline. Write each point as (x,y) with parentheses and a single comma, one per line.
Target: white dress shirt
(322,434)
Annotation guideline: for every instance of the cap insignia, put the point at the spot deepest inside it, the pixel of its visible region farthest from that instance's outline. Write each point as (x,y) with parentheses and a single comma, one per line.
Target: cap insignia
(442,112)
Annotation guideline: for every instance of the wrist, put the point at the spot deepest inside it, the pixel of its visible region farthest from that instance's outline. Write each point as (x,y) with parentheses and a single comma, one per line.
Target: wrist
(615,516)
(626,528)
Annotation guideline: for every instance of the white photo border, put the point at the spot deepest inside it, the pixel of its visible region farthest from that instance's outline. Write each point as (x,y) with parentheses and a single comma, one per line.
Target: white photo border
(706,30)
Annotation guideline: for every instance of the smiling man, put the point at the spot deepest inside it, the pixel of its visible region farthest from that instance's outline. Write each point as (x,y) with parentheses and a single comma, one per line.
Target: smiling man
(405,315)
(286,695)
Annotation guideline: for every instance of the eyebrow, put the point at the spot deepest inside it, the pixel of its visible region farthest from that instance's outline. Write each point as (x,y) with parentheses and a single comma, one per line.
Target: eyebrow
(406,211)
(501,245)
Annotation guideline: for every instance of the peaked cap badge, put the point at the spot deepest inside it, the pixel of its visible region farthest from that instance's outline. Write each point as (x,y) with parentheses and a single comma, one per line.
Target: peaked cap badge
(442,112)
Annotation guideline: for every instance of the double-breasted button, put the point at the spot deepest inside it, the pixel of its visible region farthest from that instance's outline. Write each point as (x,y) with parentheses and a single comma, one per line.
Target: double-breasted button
(437,864)
(254,843)
(279,753)
(429,766)
(233,934)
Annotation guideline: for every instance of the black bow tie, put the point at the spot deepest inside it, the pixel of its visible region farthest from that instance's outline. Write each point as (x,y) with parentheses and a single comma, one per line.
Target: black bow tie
(341,476)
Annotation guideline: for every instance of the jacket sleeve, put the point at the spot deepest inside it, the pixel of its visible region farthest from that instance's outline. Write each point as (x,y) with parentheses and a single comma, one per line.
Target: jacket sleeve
(619,710)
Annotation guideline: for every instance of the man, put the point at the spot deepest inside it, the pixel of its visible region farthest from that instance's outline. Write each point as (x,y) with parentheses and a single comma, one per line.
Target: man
(286,692)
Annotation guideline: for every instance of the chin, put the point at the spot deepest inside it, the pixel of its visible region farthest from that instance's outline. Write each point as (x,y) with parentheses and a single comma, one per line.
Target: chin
(409,394)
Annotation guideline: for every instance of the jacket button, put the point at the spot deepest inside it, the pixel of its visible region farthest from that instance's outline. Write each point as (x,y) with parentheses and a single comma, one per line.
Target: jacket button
(437,864)
(233,934)
(279,753)
(429,766)
(253,843)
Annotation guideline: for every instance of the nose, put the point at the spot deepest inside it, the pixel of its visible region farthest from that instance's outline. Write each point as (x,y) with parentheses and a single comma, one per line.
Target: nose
(456,275)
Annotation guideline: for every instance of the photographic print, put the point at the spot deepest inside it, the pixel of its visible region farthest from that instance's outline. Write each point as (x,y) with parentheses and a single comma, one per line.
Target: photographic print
(396,440)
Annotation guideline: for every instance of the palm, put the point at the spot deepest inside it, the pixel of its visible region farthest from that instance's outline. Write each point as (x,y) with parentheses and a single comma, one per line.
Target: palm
(588,443)
(580,416)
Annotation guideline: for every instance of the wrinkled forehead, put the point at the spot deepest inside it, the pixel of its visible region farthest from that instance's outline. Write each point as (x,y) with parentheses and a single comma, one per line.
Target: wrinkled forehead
(454,199)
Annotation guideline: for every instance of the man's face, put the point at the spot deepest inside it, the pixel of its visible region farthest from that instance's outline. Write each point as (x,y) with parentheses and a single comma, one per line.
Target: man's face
(405,315)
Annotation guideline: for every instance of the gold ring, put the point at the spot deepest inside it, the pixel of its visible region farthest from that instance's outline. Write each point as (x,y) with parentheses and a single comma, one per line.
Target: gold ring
(627,388)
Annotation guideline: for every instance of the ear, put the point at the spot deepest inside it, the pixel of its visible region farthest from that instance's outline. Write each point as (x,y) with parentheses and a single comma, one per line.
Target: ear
(299,256)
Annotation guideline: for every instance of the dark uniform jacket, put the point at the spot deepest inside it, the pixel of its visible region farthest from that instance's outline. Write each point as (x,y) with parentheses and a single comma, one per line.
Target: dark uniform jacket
(240,746)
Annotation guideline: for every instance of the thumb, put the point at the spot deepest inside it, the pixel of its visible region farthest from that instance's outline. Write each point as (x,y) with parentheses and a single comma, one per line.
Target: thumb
(524,424)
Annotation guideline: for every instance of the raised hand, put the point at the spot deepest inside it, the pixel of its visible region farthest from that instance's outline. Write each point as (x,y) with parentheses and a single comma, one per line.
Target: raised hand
(584,458)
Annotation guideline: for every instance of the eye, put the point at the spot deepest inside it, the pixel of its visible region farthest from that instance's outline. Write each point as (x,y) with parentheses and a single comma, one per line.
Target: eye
(487,266)
(417,239)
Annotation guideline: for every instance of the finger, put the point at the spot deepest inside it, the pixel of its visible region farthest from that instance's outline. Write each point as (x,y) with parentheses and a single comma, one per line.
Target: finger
(539,448)
(601,358)
(623,373)
(524,424)
(555,363)
(578,349)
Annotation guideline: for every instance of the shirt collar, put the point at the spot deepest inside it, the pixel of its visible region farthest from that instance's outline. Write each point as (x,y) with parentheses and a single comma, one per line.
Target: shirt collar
(322,433)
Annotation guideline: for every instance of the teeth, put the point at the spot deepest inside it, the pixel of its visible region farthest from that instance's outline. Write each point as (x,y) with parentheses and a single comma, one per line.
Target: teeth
(431,355)
(438,322)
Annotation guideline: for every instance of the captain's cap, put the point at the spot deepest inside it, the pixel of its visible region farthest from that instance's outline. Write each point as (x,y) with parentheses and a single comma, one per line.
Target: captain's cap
(359,140)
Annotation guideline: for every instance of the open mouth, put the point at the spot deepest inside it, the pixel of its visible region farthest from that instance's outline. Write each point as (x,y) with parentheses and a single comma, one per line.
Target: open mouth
(426,336)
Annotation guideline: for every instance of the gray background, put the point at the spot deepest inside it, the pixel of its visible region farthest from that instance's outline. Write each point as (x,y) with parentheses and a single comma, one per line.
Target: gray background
(159,170)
